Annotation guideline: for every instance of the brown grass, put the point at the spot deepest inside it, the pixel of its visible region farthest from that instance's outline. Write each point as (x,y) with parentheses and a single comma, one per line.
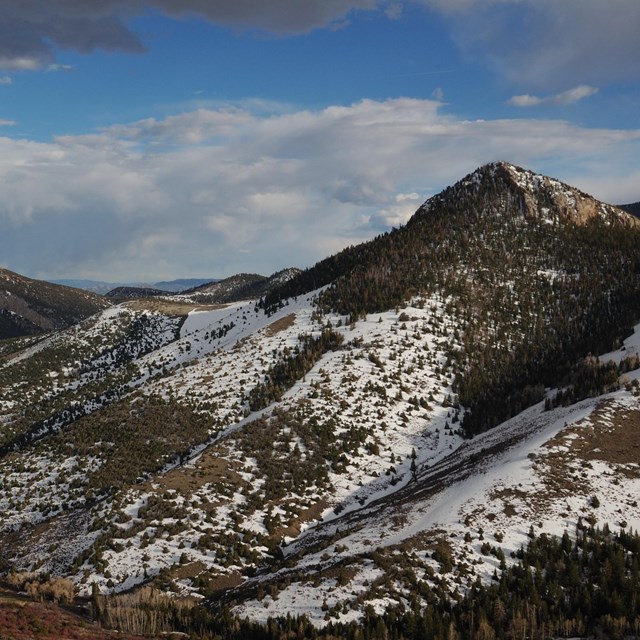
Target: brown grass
(280,325)
(211,467)
(308,515)
(425,540)
(611,434)
(614,437)
(21,619)
(508,494)
(225,581)
(189,570)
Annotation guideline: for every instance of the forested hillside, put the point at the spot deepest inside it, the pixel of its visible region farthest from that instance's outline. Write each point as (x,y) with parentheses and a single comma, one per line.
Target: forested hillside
(432,434)
(29,307)
(536,274)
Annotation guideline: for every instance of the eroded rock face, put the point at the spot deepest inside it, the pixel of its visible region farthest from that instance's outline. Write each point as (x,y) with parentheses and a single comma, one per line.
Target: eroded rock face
(546,197)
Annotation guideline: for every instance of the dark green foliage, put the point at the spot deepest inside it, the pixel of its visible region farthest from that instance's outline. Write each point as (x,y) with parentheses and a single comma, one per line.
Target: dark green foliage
(243,286)
(558,588)
(293,366)
(531,295)
(131,439)
(590,378)
(103,365)
(284,468)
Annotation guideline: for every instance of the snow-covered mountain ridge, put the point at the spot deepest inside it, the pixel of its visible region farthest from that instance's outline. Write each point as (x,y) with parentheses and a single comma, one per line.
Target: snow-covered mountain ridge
(397,431)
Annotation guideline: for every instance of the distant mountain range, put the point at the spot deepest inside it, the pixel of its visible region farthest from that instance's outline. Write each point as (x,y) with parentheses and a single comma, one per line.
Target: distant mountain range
(633,209)
(242,286)
(170,286)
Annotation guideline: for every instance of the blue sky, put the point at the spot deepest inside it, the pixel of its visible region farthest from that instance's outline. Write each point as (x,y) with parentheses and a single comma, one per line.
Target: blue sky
(163,139)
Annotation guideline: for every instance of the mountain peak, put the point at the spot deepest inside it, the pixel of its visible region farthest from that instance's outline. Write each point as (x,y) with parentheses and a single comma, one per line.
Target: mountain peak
(537,196)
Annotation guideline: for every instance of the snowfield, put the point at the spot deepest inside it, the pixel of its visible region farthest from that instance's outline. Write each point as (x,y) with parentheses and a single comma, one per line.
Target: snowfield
(387,480)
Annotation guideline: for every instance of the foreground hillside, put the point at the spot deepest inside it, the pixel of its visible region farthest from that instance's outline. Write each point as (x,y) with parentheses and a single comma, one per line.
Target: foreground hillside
(382,432)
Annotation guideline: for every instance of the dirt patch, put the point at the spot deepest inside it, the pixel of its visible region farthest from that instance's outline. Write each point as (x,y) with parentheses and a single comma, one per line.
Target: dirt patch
(508,492)
(611,434)
(210,468)
(280,325)
(189,570)
(210,377)
(508,495)
(425,540)
(614,437)
(308,515)
(223,582)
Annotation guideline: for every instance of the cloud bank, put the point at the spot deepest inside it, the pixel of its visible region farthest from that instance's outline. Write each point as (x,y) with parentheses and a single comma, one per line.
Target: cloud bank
(218,191)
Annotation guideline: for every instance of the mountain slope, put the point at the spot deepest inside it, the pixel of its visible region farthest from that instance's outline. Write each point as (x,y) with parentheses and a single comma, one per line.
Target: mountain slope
(512,251)
(124,293)
(242,286)
(29,306)
(318,458)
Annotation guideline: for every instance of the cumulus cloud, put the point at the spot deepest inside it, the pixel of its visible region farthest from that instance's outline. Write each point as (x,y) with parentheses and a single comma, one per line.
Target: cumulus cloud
(549,43)
(395,214)
(570,96)
(226,190)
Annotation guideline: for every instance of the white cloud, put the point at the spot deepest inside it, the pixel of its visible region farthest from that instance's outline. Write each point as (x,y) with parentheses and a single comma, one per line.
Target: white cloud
(395,214)
(6,80)
(549,43)
(19,63)
(7,123)
(570,96)
(394,10)
(52,68)
(229,190)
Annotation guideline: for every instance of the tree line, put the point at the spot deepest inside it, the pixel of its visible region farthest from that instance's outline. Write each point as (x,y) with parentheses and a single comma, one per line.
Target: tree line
(558,587)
